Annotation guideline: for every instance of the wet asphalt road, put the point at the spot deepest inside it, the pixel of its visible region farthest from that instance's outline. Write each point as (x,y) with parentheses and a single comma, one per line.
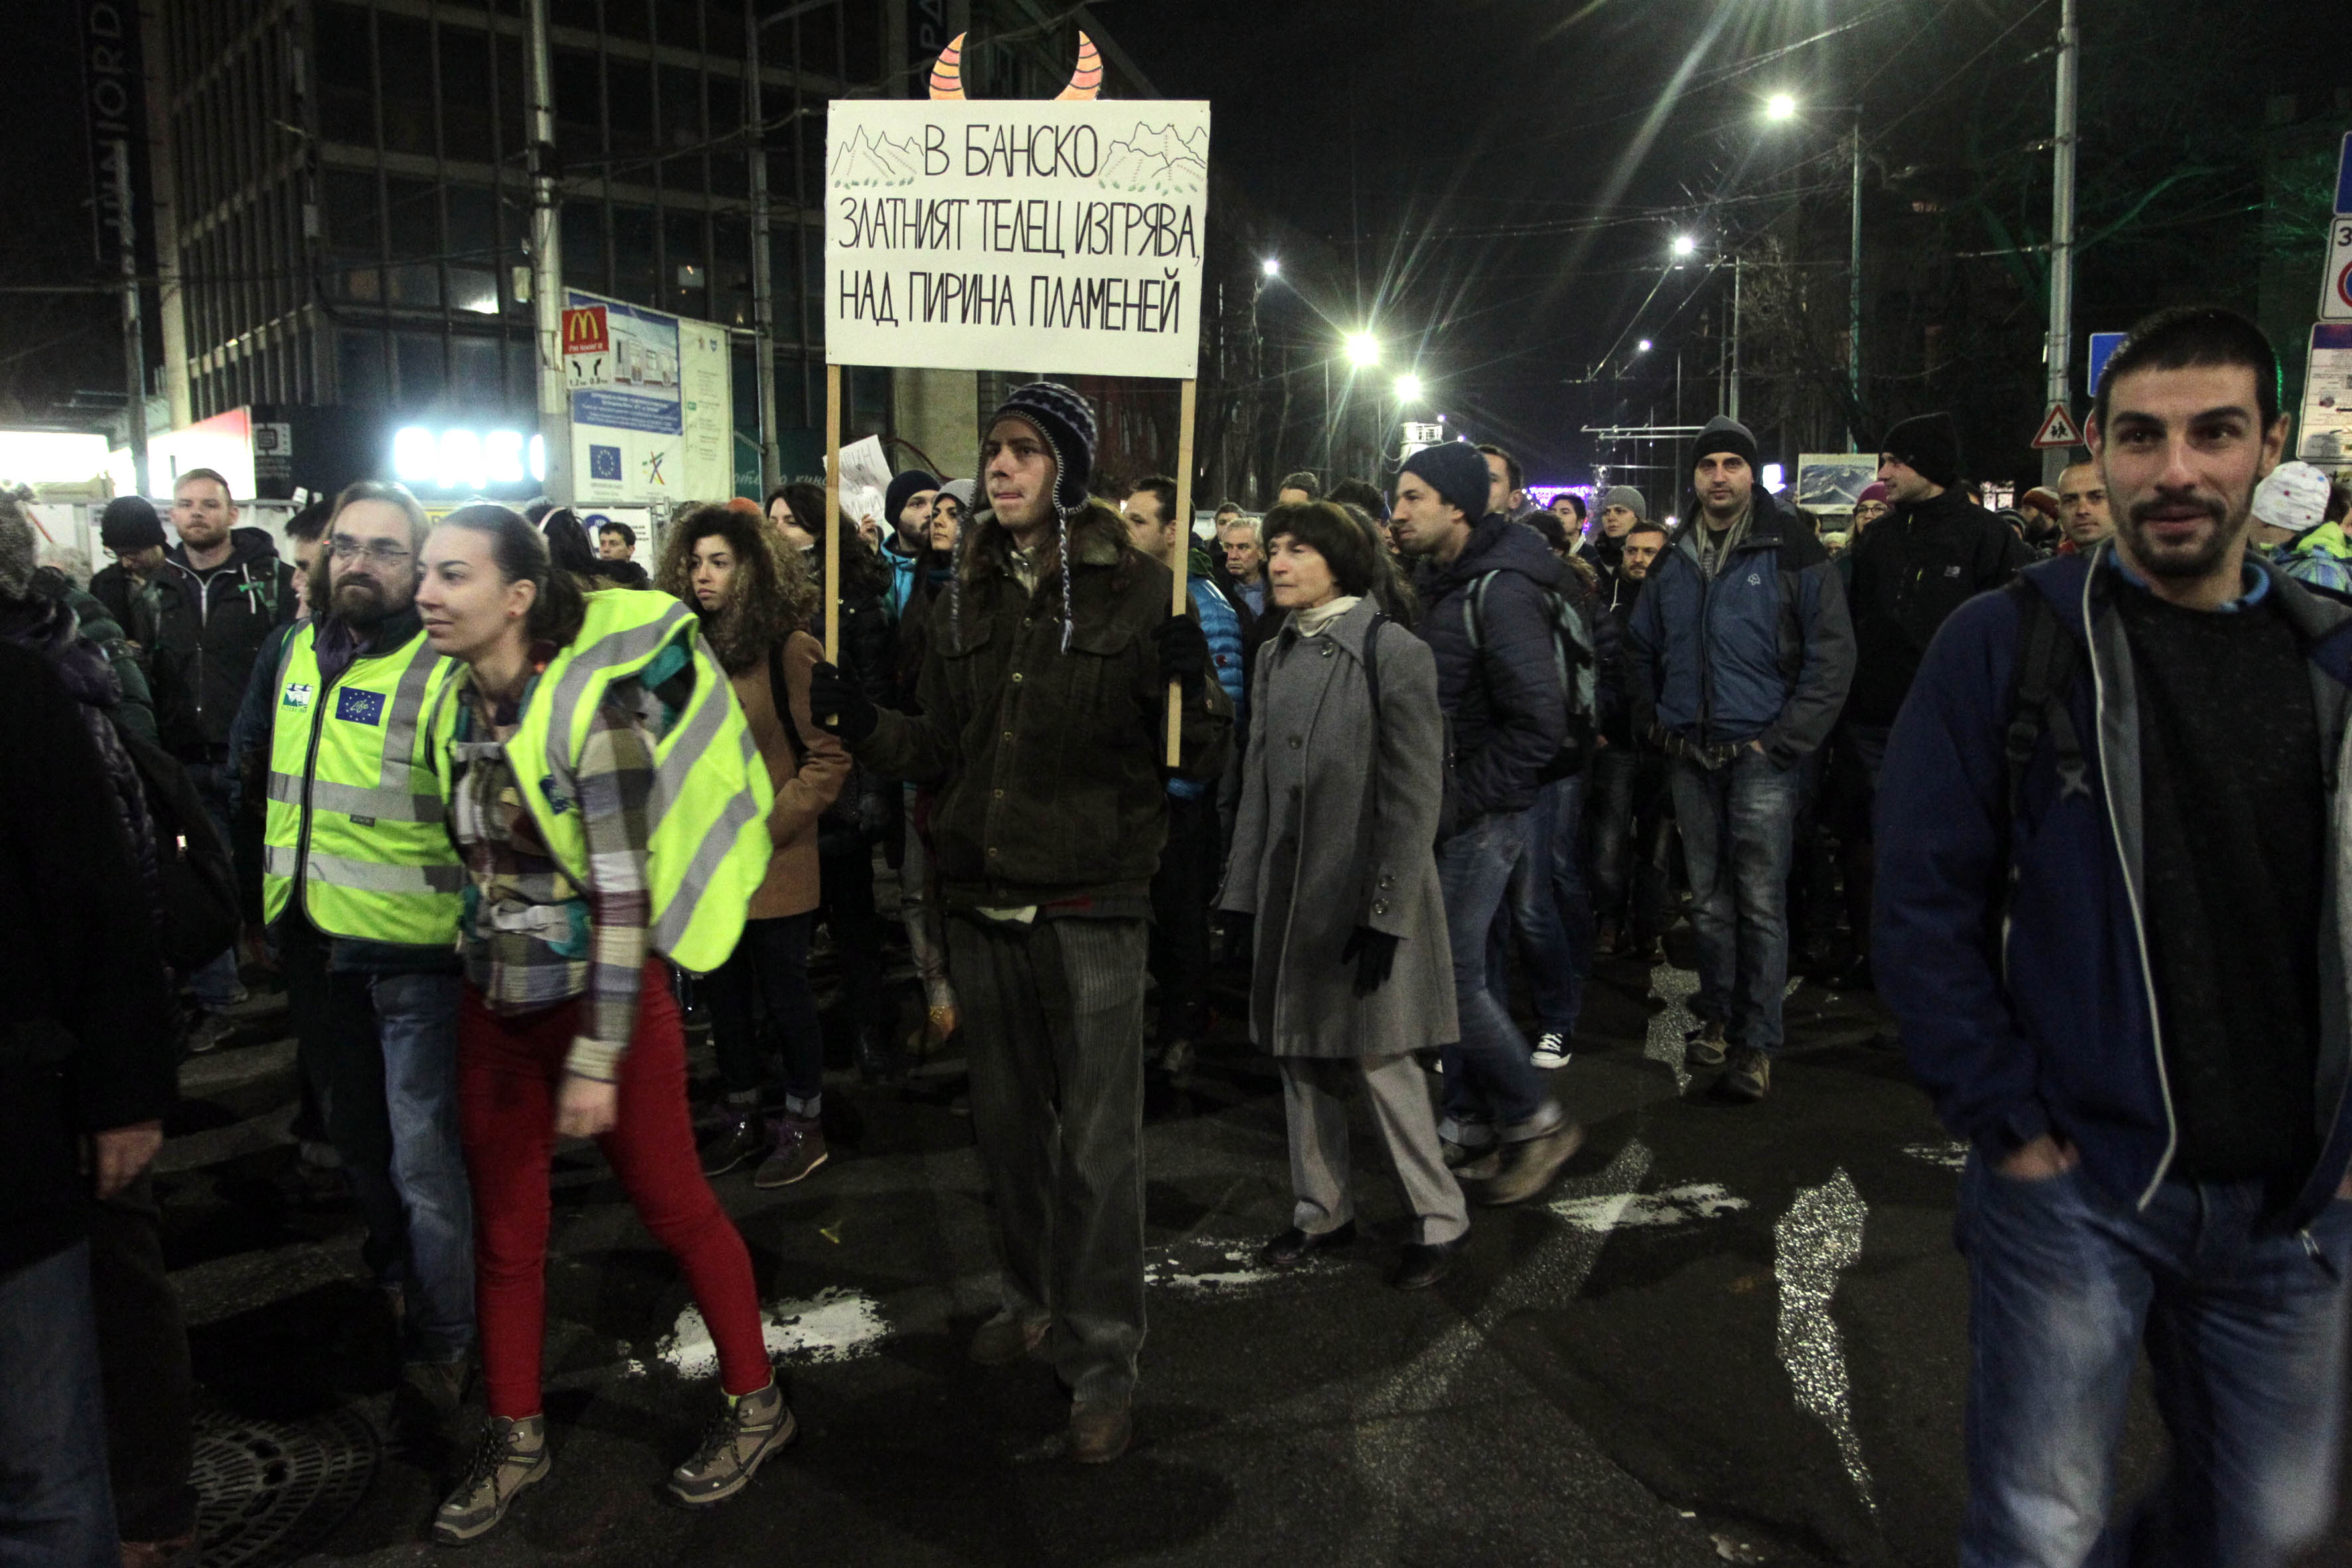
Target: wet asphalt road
(1729,1333)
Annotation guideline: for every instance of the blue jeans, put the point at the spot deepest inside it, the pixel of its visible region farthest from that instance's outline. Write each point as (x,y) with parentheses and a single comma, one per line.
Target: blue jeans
(416,1019)
(1489,1080)
(2243,1328)
(57,1506)
(1738,827)
(1549,910)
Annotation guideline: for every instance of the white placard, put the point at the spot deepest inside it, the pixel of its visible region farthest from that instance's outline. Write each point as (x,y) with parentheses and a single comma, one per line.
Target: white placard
(1015,235)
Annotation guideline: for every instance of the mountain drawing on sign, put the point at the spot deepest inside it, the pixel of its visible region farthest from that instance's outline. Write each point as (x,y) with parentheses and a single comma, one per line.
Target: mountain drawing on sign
(877,159)
(1157,158)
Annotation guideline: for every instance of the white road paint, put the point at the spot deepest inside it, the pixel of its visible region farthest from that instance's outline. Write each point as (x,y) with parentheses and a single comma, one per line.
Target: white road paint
(835,1325)
(1672,1023)
(1817,1239)
(1951,1156)
(1221,1267)
(1668,1206)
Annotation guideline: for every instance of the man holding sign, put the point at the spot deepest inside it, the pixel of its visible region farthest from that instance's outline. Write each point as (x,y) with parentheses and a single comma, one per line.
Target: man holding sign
(1042,728)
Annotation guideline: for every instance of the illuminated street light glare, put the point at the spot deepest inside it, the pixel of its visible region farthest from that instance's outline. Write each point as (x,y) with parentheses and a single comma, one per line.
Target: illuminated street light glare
(1408,387)
(1362,351)
(1685,245)
(1271,267)
(1643,347)
(1781,105)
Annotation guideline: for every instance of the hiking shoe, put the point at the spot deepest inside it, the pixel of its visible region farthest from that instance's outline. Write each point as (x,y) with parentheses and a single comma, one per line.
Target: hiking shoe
(738,1441)
(1703,1047)
(1750,1077)
(741,1136)
(799,1150)
(441,1384)
(1527,1168)
(1005,1339)
(1551,1051)
(1100,1429)
(210,1032)
(511,1454)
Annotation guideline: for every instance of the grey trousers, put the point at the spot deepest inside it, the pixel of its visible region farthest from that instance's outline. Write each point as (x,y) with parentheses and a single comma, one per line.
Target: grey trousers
(1052,1018)
(1398,1094)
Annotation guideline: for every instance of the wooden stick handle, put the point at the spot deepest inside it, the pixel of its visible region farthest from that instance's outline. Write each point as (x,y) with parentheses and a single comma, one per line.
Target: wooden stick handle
(831,544)
(1176,599)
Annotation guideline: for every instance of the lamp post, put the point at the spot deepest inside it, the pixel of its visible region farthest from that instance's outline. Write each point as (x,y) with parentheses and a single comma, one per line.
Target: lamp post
(2061,231)
(763,296)
(1782,106)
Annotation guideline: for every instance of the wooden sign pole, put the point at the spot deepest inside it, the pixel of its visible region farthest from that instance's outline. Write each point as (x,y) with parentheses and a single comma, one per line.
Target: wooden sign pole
(1176,599)
(832,543)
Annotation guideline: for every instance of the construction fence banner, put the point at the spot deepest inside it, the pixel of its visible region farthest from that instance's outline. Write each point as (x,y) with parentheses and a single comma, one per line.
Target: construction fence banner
(653,410)
(1015,235)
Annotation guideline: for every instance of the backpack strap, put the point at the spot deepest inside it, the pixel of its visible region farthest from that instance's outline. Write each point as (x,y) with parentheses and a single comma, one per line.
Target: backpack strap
(2048,658)
(782,705)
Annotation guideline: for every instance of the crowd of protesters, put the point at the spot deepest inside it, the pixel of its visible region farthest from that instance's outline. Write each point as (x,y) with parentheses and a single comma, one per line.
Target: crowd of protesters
(490,797)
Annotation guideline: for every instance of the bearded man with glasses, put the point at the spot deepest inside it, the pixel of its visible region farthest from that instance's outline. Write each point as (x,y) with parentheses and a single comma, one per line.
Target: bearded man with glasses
(361,886)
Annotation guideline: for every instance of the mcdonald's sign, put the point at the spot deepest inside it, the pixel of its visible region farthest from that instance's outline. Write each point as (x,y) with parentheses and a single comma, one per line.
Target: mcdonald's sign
(585,331)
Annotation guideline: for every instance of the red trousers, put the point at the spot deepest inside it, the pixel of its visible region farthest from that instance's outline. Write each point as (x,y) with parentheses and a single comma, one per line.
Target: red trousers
(509,1071)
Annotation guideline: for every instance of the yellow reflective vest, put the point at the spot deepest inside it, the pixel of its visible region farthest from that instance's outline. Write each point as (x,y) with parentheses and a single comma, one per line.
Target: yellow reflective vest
(359,795)
(708,813)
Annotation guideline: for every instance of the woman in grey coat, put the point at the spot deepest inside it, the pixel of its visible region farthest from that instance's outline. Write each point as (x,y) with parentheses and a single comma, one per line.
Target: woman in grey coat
(1333,861)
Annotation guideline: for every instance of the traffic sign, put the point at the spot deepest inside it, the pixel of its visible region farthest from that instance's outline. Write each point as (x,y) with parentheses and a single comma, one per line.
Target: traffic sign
(2336,288)
(2103,348)
(2057,429)
(2344,175)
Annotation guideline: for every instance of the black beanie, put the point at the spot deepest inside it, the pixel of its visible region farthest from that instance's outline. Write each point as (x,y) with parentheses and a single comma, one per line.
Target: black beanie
(903,487)
(1930,445)
(129,523)
(1724,434)
(1457,471)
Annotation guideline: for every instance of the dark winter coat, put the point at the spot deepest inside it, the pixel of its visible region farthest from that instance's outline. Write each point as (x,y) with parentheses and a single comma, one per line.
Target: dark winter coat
(210,632)
(1762,651)
(1048,764)
(134,605)
(1299,860)
(136,709)
(1910,570)
(2025,1006)
(1508,711)
(85,1041)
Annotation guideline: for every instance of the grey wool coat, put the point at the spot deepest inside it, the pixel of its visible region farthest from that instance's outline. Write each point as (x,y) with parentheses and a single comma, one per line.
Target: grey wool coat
(1299,861)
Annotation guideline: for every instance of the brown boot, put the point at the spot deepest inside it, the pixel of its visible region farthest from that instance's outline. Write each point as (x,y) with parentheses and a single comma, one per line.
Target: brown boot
(1100,1429)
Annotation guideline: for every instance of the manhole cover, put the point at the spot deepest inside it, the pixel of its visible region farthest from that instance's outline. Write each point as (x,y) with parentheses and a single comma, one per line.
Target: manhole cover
(269,1491)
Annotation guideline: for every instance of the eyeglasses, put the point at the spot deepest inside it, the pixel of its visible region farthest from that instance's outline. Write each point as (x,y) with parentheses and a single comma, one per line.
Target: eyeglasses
(379,551)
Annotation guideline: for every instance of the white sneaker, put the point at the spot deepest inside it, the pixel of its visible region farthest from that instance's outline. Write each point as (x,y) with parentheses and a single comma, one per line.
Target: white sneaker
(1551,1051)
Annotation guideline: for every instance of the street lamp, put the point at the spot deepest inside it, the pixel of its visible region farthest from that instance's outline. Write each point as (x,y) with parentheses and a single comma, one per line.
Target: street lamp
(1408,388)
(1271,267)
(1363,350)
(1685,245)
(1783,106)
(1643,347)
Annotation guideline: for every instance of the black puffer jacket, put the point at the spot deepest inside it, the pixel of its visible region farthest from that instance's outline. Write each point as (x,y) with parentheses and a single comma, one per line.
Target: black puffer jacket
(1911,569)
(1510,714)
(211,625)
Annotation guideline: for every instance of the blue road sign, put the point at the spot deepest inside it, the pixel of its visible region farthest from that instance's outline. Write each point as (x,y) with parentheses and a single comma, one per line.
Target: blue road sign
(2344,175)
(2103,344)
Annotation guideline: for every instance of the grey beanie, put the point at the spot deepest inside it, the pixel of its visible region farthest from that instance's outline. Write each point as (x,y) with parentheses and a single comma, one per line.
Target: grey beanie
(1627,496)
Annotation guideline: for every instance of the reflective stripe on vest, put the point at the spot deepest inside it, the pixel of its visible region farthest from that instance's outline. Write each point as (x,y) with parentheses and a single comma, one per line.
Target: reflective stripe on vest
(708,808)
(358,795)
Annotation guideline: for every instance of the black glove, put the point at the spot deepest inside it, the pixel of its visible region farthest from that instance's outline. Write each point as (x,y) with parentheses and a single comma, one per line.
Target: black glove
(1241,936)
(839,706)
(1373,953)
(1184,651)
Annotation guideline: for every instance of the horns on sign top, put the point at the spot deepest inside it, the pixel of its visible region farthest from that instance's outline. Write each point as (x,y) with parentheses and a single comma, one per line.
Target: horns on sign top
(947,73)
(1086,82)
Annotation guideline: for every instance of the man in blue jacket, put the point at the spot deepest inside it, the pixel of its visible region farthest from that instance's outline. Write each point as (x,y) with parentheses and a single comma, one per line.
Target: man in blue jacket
(2108,919)
(1740,654)
(1498,682)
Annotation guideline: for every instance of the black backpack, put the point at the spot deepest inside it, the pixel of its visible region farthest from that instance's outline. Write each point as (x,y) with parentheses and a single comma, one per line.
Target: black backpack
(197,880)
(2048,662)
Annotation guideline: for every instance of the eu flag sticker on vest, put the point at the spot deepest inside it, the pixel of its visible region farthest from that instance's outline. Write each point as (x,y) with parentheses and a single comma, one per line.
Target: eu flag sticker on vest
(298,695)
(360,706)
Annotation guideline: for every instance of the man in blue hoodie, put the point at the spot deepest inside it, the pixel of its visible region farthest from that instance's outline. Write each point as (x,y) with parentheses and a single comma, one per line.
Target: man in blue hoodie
(1497,680)
(1740,654)
(2108,920)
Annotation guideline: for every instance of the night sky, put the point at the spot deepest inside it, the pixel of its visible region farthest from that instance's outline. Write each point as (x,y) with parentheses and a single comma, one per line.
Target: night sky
(1498,181)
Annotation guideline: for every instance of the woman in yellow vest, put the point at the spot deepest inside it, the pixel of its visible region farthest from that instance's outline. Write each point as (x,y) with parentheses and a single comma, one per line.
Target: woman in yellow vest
(588,733)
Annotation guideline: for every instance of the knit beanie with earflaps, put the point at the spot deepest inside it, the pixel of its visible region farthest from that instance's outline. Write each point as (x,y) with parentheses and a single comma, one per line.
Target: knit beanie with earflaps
(1067,421)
